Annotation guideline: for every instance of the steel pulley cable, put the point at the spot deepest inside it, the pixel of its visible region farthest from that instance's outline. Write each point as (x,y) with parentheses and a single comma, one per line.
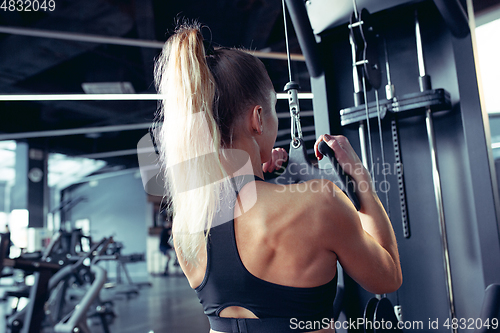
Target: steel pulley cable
(291,88)
(382,153)
(368,127)
(286,42)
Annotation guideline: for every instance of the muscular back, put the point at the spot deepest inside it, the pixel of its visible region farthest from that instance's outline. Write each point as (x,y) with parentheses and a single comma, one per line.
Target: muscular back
(279,238)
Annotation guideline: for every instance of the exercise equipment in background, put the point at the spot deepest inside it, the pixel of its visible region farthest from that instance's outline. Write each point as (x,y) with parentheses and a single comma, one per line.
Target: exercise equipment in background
(51,307)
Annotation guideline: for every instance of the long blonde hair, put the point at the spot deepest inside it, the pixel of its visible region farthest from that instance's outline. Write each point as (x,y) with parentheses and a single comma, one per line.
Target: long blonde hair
(204,95)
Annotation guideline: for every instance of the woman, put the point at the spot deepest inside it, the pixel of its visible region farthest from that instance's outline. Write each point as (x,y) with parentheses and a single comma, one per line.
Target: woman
(262,257)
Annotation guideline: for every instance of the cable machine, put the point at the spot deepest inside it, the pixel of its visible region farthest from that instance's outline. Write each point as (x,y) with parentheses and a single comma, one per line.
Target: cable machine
(431,144)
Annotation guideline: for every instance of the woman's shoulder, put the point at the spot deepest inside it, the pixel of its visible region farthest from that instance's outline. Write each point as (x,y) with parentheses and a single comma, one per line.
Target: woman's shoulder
(315,199)
(320,191)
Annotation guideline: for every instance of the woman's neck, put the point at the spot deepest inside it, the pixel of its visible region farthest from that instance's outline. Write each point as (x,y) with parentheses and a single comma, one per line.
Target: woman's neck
(243,158)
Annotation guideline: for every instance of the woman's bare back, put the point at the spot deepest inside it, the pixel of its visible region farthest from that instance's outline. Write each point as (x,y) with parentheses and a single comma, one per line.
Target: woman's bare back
(278,240)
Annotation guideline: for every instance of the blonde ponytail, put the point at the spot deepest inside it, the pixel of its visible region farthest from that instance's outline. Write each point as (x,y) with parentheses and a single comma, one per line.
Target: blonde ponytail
(190,140)
(204,96)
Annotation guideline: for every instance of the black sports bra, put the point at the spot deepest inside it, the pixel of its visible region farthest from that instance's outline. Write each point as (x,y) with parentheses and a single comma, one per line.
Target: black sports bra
(228,283)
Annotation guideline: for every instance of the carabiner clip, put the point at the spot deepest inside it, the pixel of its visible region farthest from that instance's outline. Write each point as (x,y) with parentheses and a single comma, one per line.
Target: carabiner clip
(293,102)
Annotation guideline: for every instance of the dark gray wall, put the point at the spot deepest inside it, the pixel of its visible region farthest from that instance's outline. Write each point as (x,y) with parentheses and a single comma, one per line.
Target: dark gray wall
(116,207)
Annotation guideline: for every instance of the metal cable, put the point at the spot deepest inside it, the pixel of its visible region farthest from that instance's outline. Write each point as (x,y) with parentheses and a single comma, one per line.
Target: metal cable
(386,191)
(368,126)
(286,43)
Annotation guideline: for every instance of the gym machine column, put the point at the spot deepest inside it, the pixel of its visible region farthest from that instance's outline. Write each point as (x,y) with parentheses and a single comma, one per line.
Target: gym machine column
(425,85)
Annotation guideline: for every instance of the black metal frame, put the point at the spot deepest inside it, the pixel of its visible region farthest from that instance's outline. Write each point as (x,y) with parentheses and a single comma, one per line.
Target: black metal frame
(470,192)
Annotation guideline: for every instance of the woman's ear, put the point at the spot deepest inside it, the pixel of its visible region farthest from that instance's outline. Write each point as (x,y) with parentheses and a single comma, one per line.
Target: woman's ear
(256,119)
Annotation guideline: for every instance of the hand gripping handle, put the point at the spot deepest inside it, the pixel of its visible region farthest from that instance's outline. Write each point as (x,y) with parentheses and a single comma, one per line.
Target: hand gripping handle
(346,182)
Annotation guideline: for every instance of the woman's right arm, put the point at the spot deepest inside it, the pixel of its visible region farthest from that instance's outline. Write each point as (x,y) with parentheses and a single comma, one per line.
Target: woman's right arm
(364,241)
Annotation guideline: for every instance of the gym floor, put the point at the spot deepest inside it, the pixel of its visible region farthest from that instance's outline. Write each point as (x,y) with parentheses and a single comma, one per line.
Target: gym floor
(168,306)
